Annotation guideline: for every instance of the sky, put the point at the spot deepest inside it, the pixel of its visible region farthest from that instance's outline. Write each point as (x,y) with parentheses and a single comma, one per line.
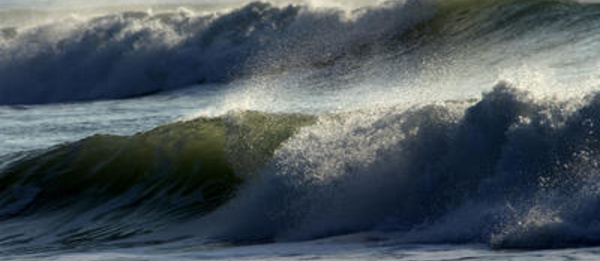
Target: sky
(60,4)
(43,4)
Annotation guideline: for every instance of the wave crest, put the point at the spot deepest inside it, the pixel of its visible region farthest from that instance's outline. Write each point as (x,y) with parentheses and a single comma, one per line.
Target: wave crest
(508,171)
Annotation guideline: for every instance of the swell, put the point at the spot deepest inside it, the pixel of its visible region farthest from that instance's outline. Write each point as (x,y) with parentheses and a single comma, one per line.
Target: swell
(135,53)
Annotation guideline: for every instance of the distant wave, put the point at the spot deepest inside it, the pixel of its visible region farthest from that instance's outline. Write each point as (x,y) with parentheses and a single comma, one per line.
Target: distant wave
(136,53)
(508,170)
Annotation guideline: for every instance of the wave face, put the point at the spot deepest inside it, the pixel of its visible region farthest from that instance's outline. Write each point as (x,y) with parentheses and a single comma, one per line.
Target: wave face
(129,54)
(108,188)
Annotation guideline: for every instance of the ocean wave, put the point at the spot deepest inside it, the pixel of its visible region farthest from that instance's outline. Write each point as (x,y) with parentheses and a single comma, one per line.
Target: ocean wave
(509,170)
(135,53)
(131,54)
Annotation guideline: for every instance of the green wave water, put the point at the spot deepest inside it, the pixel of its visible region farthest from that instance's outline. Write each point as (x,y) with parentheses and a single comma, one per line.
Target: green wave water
(177,171)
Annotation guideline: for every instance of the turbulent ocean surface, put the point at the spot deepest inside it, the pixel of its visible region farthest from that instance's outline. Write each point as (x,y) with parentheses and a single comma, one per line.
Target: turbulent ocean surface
(318,130)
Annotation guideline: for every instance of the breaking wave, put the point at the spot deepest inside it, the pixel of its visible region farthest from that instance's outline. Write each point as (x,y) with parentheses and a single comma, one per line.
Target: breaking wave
(508,170)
